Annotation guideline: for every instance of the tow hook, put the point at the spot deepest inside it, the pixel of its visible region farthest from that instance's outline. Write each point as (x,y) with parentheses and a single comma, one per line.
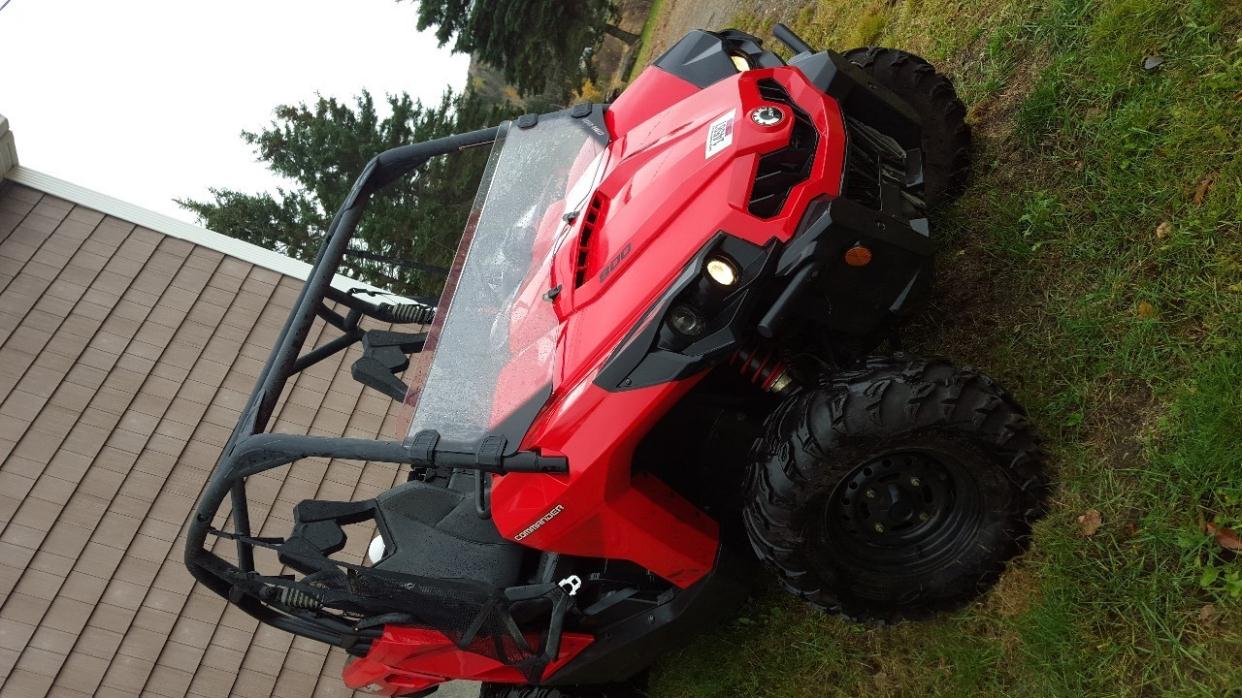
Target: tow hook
(571,584)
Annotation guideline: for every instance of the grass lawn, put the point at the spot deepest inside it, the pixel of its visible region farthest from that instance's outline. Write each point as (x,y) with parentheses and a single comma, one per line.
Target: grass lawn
(654,15)
(1095,267)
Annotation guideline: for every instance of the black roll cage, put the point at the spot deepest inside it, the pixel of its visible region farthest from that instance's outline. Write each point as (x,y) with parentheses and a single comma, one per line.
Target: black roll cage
(251,449)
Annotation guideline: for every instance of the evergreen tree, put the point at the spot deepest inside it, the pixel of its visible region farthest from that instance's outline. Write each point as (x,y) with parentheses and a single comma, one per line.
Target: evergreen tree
(540,45)
(409,233)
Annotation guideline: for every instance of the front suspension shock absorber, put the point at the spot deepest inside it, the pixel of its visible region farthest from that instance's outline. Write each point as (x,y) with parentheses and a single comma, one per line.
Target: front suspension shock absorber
(762,366)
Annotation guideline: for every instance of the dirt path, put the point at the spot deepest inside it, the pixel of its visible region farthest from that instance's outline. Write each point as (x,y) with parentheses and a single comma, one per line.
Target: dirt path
(681,16)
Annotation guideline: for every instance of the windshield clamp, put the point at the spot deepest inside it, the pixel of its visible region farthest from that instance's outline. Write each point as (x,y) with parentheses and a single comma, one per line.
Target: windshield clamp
(490,457)
(491,452)
(423,447)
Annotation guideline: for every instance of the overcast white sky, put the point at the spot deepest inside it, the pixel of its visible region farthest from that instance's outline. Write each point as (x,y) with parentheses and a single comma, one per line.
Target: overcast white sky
(144,99)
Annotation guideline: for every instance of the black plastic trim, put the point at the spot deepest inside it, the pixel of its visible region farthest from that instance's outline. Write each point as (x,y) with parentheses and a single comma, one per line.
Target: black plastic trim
(813,259)
(702,58)
(861,97)
(629,646)
(642,361)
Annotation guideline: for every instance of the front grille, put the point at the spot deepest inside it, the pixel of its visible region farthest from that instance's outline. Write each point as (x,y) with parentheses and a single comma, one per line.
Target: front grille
(781,170)
(875,167)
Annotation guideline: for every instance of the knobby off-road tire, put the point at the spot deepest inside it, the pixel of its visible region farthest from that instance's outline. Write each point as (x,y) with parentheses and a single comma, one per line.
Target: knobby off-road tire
(634,688)
(894,490)
(946,137)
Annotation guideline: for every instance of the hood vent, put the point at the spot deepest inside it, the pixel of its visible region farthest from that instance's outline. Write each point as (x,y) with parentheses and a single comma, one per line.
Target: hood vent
(781,170)
(593,217)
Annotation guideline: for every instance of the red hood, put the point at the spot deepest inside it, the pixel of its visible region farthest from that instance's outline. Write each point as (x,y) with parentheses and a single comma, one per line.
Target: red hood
(661,196)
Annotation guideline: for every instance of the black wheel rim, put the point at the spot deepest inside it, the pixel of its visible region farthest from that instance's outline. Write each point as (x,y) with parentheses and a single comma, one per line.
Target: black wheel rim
(906,509)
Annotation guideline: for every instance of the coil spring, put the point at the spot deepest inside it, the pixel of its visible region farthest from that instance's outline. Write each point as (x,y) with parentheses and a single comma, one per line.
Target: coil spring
(406,313)
(296,598)
(761,366)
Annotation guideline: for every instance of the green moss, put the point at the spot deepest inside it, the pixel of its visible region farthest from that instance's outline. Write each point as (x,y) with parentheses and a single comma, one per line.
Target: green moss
(654,16)
(870,25)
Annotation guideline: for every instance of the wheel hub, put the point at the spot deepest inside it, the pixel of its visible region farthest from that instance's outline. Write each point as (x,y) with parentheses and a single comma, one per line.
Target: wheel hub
(896,499)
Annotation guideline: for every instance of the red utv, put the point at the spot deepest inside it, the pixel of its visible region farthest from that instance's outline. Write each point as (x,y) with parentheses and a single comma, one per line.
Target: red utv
(652,363)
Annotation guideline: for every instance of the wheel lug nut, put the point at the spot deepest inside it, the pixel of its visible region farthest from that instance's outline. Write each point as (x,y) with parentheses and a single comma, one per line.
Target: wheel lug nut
(879,528)
(922,516)
(915,482)
(870,494)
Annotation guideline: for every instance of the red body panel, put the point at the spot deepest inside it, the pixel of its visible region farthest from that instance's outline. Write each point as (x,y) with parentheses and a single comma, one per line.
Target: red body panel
(405,660)
(666,199)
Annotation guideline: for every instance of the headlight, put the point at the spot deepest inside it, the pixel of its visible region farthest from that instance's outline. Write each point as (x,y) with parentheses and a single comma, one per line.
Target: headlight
(721,269)
(686,320)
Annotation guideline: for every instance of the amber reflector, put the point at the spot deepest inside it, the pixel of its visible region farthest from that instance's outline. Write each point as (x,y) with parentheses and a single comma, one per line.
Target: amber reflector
(858,256)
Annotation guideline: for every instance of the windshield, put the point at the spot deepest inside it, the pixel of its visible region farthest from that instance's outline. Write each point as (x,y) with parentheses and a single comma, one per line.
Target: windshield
(487,366)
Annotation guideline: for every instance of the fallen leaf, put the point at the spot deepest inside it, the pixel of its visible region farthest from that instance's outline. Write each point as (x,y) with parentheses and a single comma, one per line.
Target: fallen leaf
(1164,230)
(1226,537)
(1090,522)
(1146,310)
(1205,187)
(1209,614)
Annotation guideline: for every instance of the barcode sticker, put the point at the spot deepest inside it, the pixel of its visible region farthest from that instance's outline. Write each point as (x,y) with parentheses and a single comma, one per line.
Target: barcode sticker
(719,134)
